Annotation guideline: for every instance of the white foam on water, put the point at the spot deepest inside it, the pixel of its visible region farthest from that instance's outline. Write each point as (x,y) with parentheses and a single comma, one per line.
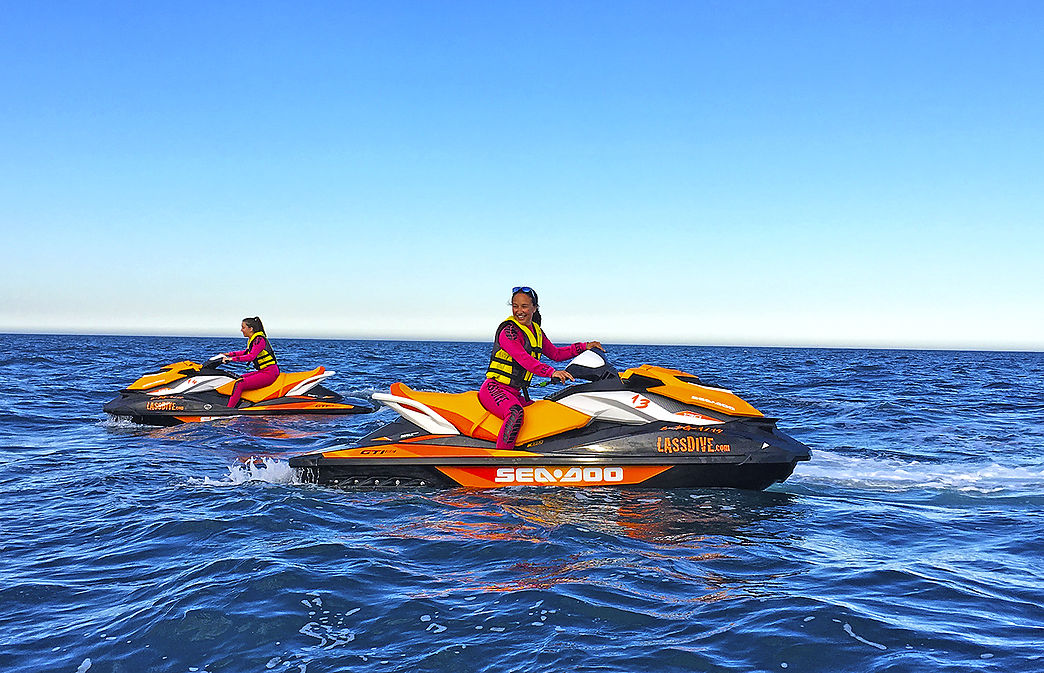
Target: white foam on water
(849,631)
(268,470)
(111,421)
(84,666)
(891,474)
(329,637)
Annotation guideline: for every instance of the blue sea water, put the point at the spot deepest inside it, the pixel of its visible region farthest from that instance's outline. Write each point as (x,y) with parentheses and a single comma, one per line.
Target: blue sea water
(910,542)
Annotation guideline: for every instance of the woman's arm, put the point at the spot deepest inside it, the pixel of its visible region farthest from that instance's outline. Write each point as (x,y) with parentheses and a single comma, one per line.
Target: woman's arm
(559,353)
(251,355)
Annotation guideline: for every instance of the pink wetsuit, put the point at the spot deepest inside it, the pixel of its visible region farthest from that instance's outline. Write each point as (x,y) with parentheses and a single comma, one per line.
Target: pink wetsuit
(252,380)
(507,402)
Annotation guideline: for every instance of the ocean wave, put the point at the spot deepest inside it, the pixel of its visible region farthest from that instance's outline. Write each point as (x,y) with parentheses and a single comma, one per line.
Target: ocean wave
(902,475)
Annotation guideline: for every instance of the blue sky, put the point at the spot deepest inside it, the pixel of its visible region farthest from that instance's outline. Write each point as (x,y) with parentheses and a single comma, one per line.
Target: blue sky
(784,173)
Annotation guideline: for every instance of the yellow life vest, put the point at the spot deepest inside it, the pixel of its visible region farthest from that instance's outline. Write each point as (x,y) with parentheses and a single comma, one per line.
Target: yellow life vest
(266,358)
(503,367)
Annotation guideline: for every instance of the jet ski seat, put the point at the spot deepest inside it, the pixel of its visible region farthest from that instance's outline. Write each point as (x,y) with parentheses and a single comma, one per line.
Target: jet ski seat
(464,411)
(283,384)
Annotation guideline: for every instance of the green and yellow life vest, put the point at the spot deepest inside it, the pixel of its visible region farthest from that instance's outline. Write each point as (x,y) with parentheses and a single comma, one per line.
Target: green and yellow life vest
(266,358)
(503,367)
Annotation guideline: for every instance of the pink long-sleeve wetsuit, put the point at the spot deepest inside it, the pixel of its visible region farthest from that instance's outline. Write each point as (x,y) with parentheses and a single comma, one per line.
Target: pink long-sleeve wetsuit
(507,402)
(252,380)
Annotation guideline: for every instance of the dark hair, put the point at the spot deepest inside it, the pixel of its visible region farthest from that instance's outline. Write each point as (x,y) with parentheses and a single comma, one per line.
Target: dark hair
(536,302)
(254,324)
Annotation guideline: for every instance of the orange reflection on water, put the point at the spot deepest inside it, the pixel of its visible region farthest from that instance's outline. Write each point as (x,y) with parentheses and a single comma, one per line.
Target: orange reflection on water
(663,536)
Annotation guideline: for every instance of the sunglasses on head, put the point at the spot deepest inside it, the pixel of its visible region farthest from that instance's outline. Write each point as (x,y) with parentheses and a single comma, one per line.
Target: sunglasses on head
(522,288)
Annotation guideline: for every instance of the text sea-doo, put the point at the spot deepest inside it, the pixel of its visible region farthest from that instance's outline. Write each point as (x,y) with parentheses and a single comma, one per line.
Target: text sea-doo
(186,391)
(647,427)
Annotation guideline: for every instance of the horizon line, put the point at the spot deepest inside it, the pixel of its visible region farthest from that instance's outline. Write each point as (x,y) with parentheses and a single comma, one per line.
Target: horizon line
(464,339)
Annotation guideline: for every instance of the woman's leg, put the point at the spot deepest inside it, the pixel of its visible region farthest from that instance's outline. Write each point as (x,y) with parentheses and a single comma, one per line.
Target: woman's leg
(252,381)
(503,402)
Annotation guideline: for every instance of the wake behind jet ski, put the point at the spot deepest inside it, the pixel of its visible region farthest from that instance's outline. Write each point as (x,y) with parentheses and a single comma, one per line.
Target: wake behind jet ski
(186,391)
(647,427)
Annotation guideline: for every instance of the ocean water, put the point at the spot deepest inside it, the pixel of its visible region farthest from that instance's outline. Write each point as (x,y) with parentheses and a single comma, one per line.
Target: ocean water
(910,542)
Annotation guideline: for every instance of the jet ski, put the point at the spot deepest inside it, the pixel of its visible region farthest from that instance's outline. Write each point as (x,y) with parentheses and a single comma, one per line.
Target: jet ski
(185,392)
(646,427)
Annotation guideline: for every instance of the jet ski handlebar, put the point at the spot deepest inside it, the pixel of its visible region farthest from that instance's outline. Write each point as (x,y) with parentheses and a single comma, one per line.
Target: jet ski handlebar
(592,365)
(214,362)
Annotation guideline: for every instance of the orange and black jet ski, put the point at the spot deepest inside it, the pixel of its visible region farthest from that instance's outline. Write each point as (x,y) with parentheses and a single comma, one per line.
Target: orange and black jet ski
(186,392)
(647,427)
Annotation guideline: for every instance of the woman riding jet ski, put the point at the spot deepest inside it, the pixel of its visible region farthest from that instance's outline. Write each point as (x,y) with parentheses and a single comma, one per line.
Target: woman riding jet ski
(185,391)
(260,352)
(647,427)
(517,346)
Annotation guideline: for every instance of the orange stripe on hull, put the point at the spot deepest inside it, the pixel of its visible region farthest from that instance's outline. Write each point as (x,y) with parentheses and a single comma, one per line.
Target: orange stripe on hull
(317,406)
(552,475)
(402,450)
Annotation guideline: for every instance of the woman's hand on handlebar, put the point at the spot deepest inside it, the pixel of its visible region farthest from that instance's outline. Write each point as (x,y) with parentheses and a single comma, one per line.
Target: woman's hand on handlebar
(562,376)
(595,344)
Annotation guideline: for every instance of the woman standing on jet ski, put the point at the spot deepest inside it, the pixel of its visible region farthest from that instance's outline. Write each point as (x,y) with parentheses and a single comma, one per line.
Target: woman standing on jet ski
(517,347)
(259,351)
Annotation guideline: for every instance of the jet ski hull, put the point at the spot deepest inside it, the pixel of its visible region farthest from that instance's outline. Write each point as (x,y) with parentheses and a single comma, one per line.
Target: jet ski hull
(440,474)
(747,455)
(166,411)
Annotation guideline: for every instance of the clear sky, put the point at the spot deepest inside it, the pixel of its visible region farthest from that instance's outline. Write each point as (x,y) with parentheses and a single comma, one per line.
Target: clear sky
(786,173)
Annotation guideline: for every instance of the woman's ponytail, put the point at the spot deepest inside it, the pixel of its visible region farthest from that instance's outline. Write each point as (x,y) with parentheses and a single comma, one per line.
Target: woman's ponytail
(255,324)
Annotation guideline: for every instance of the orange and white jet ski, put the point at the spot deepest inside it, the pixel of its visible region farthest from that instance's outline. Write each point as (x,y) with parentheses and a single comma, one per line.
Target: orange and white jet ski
(186,392)
(647,427)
